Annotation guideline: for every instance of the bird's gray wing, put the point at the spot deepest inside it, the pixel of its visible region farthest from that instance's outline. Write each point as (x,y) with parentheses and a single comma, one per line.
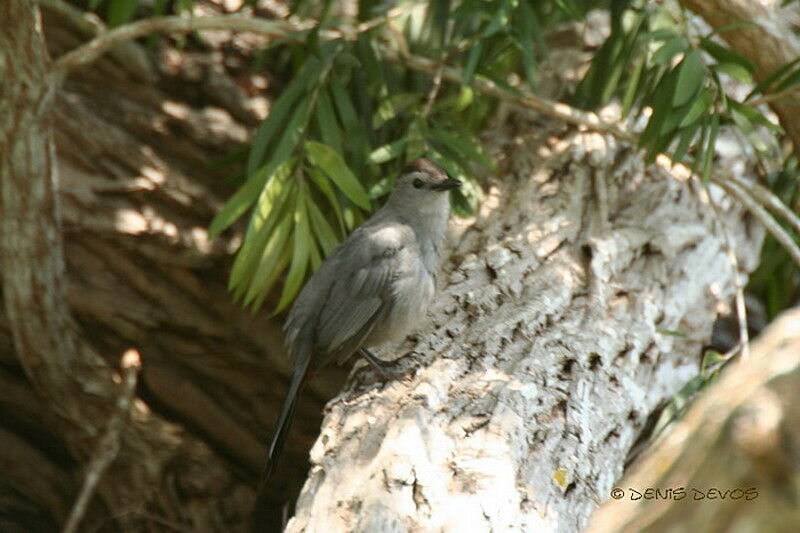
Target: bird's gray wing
(350,293)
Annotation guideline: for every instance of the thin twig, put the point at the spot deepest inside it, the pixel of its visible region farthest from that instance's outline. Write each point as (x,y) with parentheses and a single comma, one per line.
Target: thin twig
(126,53)
(741,308)
(764,217)
(518,98)
(773,96)
(95,48)
(437,78)
(766,198)
(109,444)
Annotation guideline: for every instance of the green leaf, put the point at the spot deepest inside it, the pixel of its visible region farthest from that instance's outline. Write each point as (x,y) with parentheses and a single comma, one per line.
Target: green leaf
(465,97)
(326,120)
(779,74)
(269,266)
(632,88)
(670,332)
(662,107)
(269,211)
(337,170)
(690,78)
(358,142)
(710,152)
(463,147)
(732,27)
(387,152)
(699,107)
(498,22)
(754,115)
(686,137)
(303,242)
(603,75)
(526,28)
(238,204)
(726,55)
(381,188)
(280,111)
(472,62)
(416,139)
(570,9)
(735,71)
(322,228)
(670,48)
(789,81)
(325,186)
(121,11)
(663,34)
(393,106)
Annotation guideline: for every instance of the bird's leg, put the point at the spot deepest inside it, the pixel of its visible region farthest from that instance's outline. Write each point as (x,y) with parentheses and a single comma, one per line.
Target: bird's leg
(386,369)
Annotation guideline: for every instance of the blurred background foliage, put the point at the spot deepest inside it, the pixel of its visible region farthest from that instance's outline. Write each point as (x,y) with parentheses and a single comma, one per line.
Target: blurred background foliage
(348,117)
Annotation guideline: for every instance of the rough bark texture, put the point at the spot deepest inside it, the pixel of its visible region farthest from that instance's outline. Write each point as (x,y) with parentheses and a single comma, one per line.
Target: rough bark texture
(733,462)
(544,357)
(77,384)
(760,33)
(135,193)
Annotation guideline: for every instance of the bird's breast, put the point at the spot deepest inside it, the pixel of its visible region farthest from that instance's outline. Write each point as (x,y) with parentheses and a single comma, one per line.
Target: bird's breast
(411,299)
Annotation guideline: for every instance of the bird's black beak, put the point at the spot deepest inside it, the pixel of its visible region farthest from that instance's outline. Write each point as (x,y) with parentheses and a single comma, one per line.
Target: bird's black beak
(447,184)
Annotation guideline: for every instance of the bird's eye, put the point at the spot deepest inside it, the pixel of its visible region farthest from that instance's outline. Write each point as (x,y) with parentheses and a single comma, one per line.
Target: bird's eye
(418,183)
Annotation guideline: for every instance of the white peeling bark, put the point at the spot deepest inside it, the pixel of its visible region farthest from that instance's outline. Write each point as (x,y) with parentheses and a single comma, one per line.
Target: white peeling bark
(542,360)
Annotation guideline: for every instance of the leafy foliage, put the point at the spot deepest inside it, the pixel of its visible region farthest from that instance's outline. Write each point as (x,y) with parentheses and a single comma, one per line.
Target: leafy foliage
(777,279)
(680,80)
(650,61)
(348,119)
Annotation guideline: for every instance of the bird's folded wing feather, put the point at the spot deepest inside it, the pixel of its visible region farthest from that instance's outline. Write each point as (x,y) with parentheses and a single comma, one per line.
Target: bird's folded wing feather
(343,300)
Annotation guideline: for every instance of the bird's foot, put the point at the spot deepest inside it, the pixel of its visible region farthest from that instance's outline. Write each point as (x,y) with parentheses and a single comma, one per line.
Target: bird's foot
(385,369)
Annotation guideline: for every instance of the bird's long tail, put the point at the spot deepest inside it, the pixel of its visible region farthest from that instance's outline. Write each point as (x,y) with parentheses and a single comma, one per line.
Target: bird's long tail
(286,417)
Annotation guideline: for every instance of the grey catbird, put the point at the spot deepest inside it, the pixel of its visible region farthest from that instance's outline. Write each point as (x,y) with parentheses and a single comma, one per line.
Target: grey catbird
(374,287)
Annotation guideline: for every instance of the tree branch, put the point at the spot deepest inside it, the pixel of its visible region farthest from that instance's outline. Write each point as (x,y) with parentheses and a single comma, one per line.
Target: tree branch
(777,46)
(109,445)
(780,234)
(181,24)
(95,48)
(676,459)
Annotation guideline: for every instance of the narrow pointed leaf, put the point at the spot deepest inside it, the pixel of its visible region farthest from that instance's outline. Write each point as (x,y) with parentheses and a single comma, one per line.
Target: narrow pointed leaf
(268,212)
(690,78)
(708,157)
(699,107)
(238,204)
(387,152)
(337,170)
(280,112)
(322,228)
(325,186)
(686,137)
(268,270)
(329,128)
(302,243)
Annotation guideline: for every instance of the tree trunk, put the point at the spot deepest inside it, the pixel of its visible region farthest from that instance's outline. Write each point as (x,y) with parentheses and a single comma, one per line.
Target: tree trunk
(546,352)
(135,268)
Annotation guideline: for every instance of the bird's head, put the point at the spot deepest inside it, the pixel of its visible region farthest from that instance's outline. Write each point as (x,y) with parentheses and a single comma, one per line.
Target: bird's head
(422,182)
